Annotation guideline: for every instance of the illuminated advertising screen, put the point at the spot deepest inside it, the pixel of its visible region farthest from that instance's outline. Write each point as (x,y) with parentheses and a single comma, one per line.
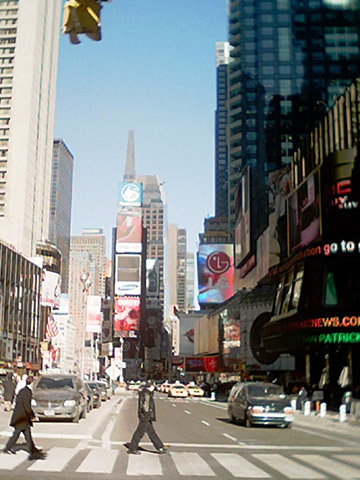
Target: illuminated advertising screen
(128,274)
(304,213)
(126,314)
(130,194)
(215,273)
(128,232)
(93,314)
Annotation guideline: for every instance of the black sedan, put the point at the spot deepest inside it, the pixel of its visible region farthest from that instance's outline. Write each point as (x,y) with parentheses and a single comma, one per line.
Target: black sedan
(96,393)
(259,403)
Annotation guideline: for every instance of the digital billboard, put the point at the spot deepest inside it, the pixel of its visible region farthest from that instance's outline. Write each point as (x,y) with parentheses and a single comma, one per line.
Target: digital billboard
(130,194)
(215,273)
(93,314)
(304,213)
(126,314)
(127,274)
(128,232)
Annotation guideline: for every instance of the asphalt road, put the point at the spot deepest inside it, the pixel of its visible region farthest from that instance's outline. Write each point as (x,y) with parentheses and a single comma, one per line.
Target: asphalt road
(202,444)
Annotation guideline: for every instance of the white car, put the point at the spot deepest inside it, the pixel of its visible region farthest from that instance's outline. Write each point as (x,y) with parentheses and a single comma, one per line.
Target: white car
(177,390)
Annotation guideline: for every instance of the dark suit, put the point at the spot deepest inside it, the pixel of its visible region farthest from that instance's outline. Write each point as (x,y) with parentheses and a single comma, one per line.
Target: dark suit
(147,415)
(21,420)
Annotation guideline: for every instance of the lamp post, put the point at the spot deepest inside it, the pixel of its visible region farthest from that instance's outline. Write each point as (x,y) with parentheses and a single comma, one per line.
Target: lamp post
(86,284)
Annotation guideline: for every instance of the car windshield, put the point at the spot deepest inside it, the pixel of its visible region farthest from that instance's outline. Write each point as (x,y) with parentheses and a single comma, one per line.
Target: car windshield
(47,383)
(265,391)
(180,387)
(93,386)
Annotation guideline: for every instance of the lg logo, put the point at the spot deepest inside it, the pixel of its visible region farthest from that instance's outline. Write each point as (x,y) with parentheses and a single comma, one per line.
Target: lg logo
(218,262)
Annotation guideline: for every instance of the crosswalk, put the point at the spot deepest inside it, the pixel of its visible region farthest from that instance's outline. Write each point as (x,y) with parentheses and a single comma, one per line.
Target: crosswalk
(184,464)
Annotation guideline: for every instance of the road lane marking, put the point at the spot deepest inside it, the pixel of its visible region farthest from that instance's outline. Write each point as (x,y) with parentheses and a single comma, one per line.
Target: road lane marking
(239,446)
(334,468)
(351,459)
(187,411)
(205,423)
(99,461)
(191,464)
(239,466)
(56,460)
(9,462)
(173,404)
(229,437)
(287,467)
(144,464)
(106,436)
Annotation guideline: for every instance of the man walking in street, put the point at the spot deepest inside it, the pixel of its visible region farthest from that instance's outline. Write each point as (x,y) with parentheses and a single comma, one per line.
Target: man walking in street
(9,392)
(146,415)
(21,420)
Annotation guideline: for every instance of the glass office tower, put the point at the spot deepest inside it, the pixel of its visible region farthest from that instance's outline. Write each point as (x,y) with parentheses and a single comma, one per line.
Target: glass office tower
(288,60)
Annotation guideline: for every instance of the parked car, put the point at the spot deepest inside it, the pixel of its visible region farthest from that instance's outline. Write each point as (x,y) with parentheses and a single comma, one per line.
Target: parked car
(259,403)
(102,387)
(177,390)
(90,398)
(96,392)
(59,396)
(194,390)
(107,386)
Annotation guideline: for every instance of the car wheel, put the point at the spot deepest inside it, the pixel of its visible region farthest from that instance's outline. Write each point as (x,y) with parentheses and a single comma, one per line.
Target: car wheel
(231,416)
(247,422)
(285,425)
(76,419)
(84,412)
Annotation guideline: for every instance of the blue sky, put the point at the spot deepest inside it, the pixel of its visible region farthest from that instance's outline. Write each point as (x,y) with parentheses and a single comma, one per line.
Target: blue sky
(153,72)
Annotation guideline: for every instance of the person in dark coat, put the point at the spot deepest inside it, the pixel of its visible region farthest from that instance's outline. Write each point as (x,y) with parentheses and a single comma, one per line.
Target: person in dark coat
(9,392)
(21,420)
(146,415)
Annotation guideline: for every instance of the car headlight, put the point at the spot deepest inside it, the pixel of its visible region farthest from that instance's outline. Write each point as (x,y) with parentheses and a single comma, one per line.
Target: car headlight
(33,403)
(288,410)
(69,403)
(256,409)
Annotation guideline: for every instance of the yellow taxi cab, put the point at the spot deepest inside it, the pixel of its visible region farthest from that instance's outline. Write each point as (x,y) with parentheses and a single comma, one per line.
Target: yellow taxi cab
(177,389)
(194,390)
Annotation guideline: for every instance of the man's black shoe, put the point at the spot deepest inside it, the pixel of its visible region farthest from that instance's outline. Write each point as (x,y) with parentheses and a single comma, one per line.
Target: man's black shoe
(9,451)
(40,455)
(134,452)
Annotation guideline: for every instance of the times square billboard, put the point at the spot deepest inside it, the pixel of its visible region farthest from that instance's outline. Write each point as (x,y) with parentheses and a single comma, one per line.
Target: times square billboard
(129,231)
(130,194)
(215,273)
(127,274)
(126,315)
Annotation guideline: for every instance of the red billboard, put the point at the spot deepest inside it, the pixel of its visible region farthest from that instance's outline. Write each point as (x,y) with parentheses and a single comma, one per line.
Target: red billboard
(128,231)
(126,314)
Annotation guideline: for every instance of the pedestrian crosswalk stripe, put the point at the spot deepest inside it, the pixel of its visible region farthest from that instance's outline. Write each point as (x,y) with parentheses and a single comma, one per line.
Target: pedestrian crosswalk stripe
(355,460)
(99,461)
(191,464)
(9,462)
(239,466)
(328,465)
(287,467)
(56,460)
(145,464)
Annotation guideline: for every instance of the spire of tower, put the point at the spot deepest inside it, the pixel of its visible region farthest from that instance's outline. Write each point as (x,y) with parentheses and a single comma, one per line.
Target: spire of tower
(129,173)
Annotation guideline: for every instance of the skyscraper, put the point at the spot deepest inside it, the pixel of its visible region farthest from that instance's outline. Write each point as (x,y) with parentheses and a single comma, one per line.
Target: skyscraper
(29,37)
(221,155)
(93,241)
(177,262)
(288,59)
(60,206)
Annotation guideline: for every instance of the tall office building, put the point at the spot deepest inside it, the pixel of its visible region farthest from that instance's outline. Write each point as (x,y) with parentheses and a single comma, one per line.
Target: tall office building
(60,206)
(221,114)
(29,37)
(190,281)
(93,241)
(154,220)
(177,262)
(288,59)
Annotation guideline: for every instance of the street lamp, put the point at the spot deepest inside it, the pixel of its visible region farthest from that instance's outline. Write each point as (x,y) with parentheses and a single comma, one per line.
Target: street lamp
(86,284)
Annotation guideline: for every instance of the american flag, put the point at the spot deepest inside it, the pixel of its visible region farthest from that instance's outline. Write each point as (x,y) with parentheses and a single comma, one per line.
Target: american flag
(51,328)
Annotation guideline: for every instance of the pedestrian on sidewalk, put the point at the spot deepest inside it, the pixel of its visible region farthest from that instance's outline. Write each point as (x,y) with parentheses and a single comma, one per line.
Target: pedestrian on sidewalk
(9,391)
(21,420)
(146,415)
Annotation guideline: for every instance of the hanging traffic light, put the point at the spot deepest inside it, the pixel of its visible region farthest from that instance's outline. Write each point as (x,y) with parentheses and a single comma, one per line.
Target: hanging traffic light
(82,16)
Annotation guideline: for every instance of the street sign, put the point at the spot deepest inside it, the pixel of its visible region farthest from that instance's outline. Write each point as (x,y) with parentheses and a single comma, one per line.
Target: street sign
(113,372)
